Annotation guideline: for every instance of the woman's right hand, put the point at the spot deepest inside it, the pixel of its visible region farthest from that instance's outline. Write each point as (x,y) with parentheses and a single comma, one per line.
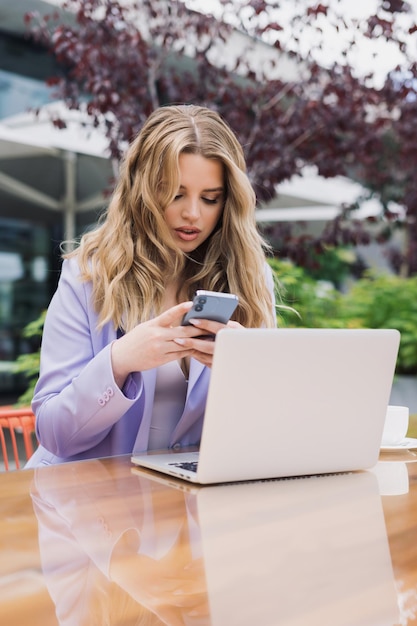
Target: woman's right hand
(151,344)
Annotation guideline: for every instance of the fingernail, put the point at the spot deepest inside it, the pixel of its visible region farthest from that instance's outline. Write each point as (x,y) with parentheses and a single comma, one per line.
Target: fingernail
(195,322)
(179,341)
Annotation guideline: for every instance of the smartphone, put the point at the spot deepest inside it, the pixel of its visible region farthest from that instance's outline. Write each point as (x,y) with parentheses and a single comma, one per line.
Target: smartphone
(211,305)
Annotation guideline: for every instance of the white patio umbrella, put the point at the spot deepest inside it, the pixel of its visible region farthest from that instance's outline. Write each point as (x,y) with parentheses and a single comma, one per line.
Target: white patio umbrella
(310,201)
(310,197)
(46,168)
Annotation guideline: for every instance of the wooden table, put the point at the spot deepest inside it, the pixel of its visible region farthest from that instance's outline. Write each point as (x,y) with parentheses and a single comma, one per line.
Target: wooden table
(99,542)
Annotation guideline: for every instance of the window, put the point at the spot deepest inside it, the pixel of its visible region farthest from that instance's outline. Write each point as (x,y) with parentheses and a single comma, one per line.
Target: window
(25,288)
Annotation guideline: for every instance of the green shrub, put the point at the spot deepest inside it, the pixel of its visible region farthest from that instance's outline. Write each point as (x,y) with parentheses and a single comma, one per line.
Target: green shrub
(374,301)
(302,301)
(387,301)
(28,364)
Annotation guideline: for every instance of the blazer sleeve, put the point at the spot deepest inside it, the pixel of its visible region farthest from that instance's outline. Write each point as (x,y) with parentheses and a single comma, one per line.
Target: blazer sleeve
(76,399)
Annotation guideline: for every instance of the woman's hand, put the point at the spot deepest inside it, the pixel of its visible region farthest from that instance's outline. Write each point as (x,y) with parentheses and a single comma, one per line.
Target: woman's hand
(204,344)
(151,344)
(163,339)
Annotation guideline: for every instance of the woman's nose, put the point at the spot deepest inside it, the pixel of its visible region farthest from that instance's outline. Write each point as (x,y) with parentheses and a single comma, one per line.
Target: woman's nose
(191,208)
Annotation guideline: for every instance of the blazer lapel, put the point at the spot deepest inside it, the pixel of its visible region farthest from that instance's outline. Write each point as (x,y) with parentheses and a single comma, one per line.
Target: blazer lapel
(193,409)
(195,402)
(196,369)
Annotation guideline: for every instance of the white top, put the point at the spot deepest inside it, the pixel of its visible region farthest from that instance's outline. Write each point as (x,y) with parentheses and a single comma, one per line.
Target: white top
(170,394)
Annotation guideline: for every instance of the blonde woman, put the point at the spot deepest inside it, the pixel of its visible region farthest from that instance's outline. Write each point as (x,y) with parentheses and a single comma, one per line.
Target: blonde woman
(119,373)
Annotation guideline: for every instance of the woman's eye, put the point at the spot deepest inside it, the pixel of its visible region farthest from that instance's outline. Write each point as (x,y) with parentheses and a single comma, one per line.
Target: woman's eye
(211,200)
(178,197)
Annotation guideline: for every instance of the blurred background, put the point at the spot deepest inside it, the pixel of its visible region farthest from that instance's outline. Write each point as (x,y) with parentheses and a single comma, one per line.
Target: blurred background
(321,95)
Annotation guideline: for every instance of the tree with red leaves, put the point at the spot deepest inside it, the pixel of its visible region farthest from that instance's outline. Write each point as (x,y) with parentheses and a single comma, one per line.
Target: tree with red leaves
(121,61)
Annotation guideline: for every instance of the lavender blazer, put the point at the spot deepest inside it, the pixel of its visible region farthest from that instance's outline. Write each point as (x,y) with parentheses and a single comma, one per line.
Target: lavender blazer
(80,411)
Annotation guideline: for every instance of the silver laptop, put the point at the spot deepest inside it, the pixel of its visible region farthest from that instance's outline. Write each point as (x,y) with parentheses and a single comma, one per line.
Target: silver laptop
(289,402)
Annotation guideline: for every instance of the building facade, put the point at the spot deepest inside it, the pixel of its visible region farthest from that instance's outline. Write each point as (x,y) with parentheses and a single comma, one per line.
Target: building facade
(30,235)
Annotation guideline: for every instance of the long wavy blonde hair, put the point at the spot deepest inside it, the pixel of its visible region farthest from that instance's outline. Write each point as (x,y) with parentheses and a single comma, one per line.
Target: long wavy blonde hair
(130,256)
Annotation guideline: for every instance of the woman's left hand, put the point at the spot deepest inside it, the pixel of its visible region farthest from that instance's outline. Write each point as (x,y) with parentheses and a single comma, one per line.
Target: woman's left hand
(203,347)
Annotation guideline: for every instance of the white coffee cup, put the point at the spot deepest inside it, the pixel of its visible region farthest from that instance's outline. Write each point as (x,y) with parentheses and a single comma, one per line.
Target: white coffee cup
(395,426)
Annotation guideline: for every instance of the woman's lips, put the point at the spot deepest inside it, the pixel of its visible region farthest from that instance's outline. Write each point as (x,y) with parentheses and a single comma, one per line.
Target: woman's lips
(187,234)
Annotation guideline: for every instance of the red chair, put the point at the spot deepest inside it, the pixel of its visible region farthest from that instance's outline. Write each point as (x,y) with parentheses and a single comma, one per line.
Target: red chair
(16,422)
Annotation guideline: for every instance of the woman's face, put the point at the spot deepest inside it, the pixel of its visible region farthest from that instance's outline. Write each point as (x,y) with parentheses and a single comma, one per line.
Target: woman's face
(198,205)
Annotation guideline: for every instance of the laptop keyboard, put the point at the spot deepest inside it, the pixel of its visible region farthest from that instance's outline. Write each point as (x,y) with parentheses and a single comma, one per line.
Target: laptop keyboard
(191,466)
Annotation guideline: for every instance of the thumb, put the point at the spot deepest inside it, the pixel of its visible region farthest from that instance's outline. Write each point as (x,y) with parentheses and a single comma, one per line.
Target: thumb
(174,315)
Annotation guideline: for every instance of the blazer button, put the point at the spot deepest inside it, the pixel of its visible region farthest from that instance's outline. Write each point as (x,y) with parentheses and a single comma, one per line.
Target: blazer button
(101,401)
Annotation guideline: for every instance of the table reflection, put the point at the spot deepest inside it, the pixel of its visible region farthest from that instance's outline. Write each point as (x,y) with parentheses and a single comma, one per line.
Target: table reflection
(392,477)
(143,549)
(108,558)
